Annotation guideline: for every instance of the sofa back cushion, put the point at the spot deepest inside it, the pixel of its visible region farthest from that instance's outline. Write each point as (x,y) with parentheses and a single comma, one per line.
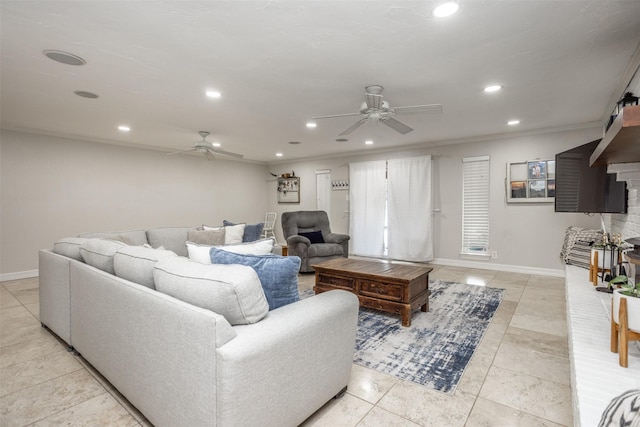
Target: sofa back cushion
(135,263)
(99,253)
(69,247)
(171,238)
(233,291)
(278,275)
(131,237)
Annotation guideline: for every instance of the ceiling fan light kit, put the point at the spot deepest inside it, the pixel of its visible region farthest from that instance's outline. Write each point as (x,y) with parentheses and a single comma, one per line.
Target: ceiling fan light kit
(376,109)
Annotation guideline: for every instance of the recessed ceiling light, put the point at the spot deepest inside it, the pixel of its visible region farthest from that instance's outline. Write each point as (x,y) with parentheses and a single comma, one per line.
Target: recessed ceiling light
(295,142)
(86,94)
(213,94)
(311,125)
(341,139)
(215,144)
(279,154)
(64,57)
(446,9)
(513,122)
(124,128)
(492,88)
(369,142)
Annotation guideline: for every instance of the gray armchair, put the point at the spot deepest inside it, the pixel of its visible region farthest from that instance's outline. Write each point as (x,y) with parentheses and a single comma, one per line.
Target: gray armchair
(316,243)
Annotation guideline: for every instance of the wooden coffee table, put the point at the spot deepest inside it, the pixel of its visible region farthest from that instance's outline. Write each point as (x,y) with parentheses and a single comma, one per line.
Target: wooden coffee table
(393,288)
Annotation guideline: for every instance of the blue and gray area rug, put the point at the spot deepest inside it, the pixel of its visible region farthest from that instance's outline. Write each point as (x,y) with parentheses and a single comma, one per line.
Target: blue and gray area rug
(435,350)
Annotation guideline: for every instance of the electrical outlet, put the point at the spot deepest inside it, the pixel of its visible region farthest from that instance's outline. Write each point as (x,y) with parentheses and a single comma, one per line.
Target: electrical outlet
(494,254)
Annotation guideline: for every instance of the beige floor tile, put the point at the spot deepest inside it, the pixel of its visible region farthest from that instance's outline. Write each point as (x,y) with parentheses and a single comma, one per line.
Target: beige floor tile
(447,276)
(346,411)
(427,407)
(544,399)
(476,371)
(368,384)
(513,292)
(21,329)
(34,309)
(486,413)
(28,350)
(540,324)
(548,343)
(504,312)
(378,417)
(22,284)
(509,276)
(27,296)
(526,360)
(7,300)
(22,375)
(101,410)
(36,403)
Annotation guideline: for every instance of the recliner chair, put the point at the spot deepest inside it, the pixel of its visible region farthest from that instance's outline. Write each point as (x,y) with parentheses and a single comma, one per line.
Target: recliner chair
(309,236)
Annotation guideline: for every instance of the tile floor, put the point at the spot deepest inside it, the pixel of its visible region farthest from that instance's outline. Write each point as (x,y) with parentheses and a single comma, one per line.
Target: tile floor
(519,375)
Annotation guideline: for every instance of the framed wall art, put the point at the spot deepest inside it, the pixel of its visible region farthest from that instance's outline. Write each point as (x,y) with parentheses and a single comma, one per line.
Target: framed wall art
(289,190)
(533,181)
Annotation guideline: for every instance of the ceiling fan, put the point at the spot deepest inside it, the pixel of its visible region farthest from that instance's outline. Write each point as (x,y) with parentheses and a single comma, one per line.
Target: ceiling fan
(205,147)
(376,109)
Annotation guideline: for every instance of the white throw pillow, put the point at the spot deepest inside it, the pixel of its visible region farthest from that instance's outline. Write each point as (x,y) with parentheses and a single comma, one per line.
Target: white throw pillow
(199,253)
(259,247)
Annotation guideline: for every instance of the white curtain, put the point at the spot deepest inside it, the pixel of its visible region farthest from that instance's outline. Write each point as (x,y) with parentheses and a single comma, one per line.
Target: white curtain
(410,232)
(367,193)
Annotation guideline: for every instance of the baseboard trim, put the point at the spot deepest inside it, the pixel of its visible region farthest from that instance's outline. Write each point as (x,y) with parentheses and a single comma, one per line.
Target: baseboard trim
(18,275)
(499,267)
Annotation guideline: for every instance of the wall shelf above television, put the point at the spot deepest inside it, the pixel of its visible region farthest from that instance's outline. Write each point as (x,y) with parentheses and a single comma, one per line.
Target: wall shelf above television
(621,143)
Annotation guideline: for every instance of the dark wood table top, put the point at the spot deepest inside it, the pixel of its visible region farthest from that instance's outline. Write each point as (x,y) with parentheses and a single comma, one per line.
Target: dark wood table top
(373,269)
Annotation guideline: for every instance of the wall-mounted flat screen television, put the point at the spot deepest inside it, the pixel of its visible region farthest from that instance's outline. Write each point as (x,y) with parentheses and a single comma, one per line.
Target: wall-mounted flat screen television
(581,188)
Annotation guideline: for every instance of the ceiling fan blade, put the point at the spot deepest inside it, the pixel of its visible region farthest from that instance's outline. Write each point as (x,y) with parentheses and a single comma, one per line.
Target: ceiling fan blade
(396,125)
(181,151)
(336,115)
(225,153)
(428,108)
(353,127)
(209,155)
(374,101)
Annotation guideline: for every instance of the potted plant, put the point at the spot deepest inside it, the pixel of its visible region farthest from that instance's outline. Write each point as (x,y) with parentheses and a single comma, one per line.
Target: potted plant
(630,292)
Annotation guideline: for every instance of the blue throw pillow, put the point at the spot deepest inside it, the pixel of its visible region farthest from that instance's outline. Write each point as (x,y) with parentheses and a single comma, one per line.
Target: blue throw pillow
(313,236)
(278,274)
(252,232)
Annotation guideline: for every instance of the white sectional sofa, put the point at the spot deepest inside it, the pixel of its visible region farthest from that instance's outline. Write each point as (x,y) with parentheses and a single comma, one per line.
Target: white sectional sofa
(184,365)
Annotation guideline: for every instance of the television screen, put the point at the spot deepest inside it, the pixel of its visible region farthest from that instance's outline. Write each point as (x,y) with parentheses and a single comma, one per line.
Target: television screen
(581,188)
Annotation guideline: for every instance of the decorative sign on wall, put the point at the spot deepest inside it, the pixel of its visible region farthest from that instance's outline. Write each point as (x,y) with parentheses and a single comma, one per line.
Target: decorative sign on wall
(340,185)
(289,190)
(533,181)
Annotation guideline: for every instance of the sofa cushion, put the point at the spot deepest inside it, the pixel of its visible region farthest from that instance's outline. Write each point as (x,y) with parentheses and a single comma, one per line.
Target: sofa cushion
(313,236)
(69,247)
(258,247)
(207,237)
(135,263)
(233,291)
(199,253)
(252,232)
(131,237)
(325,249)
(278,275)
(171,238)
(99,253)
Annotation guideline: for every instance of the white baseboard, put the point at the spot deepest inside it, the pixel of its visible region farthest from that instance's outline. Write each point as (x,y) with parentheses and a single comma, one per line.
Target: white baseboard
(499,267)
(18,275)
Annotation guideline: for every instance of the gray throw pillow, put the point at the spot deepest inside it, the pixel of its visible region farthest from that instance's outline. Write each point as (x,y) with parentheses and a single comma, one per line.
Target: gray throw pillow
(207,237)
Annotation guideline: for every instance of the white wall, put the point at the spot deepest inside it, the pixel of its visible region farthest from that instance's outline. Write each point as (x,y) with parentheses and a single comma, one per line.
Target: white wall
(527,237)
(54,187)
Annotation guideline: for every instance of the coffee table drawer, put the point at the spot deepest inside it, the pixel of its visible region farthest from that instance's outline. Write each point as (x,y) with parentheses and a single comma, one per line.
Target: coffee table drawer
(337,281)
(386,291)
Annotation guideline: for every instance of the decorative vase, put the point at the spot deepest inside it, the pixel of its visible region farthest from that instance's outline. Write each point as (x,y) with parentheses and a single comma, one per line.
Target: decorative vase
(633,310)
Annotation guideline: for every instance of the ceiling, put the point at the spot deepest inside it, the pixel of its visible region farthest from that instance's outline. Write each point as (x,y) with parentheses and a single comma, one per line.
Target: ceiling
(562,65)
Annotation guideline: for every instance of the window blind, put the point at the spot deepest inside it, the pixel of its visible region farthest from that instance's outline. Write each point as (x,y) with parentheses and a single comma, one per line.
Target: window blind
(475,205)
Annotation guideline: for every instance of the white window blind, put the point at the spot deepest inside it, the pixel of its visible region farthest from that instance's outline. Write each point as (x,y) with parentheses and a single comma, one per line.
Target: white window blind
(475,205)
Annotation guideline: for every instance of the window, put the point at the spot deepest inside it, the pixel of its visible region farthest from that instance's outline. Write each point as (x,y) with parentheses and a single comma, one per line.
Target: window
(475,205)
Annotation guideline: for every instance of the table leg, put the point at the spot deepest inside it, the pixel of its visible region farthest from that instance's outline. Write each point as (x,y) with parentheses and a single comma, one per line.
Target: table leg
(425,307)
(406,316)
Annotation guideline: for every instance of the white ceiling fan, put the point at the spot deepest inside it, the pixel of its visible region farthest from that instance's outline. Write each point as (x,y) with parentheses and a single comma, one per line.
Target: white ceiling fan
(205,147)
(376,109)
